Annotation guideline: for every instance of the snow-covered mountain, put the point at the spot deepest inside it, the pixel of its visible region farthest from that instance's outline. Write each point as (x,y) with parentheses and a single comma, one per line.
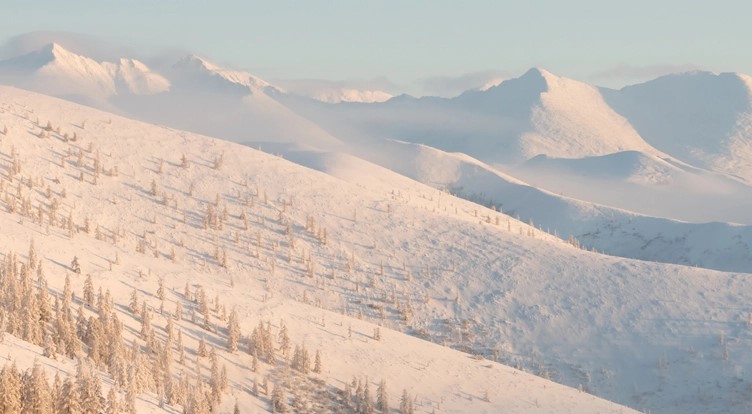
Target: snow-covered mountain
(196,72)
(56,71)
(538,113)
(698,117)
(603,148)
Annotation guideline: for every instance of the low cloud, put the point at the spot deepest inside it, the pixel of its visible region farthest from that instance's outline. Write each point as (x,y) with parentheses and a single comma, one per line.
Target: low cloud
(449,86)
(625,73)
(81,44)
(353,90)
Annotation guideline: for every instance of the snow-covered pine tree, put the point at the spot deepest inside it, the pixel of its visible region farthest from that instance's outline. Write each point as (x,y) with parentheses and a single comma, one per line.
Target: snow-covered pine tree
(367,406)
(43,297)
(90,389)
(89,291)
(32,259)
(406,403)
(10,390)
(161,289)
(382,397)
(70,403)
(113,402)
(233,331)
(215,380)
(317,363)
(50,347)
(278,400)
(133,304)
(75,266)
(146,327)
(202,352)
(284,340)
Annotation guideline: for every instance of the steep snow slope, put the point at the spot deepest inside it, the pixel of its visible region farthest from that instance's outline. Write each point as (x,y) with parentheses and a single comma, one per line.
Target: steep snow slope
(134,77)
(567,118)
(195,71)
(698,117)
(309,237)
(644,184)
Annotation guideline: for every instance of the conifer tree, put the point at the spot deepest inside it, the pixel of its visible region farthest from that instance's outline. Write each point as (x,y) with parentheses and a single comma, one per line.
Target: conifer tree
(406,403)
(67,290)
(32,255)
(90,389)
(10,390)
(50,347)
(382,398)
(233,334)
(113,403)
(178,311)
(279,405)
(284,340)
(70,403)
(43,298)
(89,291)
(146,327)
(215,381)
(133,304)
(202,352)
(317,363)
(75,266)
(367,406)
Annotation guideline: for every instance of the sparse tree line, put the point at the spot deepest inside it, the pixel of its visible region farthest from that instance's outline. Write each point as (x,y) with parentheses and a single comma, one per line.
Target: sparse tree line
(33,312)
(87,328)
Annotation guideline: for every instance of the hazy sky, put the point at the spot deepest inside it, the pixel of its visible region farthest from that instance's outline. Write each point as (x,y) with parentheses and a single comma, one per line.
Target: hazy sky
(424,44)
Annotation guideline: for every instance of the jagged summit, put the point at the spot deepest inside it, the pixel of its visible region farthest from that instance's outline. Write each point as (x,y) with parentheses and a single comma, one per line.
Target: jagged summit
(54,70)
(197,68)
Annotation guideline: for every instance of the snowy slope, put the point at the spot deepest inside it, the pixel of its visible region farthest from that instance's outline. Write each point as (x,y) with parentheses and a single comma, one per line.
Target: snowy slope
(698,117)
(714,245)
(644,184)
(644,334)
(308,286)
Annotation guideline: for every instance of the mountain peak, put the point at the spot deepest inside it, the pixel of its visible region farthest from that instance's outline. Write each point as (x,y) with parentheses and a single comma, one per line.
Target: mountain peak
(537,74)
(196,62)
(56,52)
(197,66)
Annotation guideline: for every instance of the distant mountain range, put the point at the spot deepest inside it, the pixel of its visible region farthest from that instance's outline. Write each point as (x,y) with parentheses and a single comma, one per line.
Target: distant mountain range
(677,149)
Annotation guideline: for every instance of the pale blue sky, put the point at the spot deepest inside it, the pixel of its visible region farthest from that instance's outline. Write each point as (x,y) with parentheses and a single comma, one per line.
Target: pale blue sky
(410,42)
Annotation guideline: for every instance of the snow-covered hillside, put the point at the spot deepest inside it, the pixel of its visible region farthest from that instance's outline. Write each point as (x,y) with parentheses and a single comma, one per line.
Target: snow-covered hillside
(139,204)
(643,184)
(259,232)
